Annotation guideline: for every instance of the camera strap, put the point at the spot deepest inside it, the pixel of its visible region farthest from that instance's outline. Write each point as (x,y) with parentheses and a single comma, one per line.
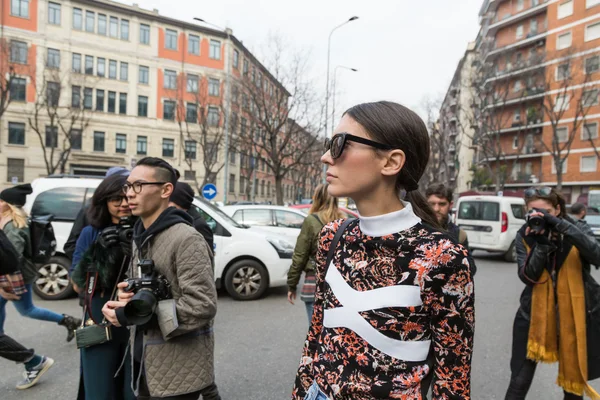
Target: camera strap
(92,281)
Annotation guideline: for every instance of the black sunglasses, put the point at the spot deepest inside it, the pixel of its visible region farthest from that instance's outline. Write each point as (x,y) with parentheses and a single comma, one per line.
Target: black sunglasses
(336,144)
(543,191)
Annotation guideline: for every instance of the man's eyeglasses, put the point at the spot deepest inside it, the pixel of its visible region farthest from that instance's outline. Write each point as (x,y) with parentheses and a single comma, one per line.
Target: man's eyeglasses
(137,186)
(117,200)
(543,191)
(336,144)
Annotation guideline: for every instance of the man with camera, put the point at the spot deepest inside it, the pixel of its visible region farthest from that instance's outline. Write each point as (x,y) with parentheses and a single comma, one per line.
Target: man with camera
(559,317)
(169,300)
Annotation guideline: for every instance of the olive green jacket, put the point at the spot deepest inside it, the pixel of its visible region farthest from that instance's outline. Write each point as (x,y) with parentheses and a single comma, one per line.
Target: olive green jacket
(305,251)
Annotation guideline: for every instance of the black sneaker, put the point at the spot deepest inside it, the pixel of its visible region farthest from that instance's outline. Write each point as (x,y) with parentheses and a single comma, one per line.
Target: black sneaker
(32,376)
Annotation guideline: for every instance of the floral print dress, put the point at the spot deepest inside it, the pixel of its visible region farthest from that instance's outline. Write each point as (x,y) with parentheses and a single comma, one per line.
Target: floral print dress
(393,314)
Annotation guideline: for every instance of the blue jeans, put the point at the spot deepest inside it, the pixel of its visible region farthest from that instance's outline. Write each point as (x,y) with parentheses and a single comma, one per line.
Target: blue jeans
(309,310)
(26,308)
(314,393)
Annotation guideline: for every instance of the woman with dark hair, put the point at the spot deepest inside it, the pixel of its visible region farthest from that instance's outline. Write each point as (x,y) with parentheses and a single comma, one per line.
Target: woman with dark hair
(102,251)
(394,304)
(559,315)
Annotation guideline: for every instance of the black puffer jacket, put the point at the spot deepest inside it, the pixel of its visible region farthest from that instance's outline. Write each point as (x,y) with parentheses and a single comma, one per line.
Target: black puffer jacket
(544,254)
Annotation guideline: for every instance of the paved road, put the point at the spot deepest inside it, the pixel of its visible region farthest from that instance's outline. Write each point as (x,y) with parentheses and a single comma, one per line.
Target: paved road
(259,343)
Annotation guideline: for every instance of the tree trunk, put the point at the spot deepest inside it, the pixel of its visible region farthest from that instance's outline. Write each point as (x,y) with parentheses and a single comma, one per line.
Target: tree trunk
(559,176)
(279,189)
(498,181)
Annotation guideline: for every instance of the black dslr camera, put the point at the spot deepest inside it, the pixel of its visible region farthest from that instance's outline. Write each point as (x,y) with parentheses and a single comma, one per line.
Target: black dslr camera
(125,230)
(149,289)
(536,223)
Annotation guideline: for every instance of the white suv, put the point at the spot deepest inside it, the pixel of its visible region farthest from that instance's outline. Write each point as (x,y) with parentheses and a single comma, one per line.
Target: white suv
(63,198)
(247,260)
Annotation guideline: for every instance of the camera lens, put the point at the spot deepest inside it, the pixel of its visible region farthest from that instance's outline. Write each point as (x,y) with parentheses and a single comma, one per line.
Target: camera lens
(141,307)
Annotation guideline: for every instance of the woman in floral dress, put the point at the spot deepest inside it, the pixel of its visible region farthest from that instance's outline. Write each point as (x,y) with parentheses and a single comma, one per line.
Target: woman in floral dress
(394,307)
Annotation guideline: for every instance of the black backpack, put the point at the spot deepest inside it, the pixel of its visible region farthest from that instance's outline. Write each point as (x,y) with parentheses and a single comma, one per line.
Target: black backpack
(43,240)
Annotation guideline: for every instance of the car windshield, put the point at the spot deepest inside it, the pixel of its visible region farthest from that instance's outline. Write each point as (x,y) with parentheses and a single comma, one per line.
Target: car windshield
(221,213)
(593,219)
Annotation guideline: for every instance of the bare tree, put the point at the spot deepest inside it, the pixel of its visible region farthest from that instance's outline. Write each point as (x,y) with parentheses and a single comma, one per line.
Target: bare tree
(13,65)
(501,104)
(439,167)
(570,93)
(199,117)
(59,125)
(282,108)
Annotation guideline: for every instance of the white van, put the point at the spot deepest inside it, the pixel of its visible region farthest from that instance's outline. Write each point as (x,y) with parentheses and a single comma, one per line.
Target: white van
(491,222)
(247,260)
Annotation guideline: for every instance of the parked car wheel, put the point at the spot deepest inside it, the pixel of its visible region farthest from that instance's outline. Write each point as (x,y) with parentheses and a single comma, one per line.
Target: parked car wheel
(511,254)
(53,281)
(246,280)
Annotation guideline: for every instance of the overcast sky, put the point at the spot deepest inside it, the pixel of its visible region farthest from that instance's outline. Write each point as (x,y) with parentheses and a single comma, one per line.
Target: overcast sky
(404,50)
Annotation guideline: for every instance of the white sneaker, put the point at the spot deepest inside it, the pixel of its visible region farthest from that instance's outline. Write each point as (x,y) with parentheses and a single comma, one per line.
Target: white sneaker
(31,377)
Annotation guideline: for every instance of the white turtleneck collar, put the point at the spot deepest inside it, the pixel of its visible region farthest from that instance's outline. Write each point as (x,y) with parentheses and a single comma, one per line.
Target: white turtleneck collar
(388,224)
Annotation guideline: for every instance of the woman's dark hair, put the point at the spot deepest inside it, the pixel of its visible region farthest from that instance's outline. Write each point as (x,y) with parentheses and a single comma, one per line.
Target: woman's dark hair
(400,128)
(97,213)
(554,198)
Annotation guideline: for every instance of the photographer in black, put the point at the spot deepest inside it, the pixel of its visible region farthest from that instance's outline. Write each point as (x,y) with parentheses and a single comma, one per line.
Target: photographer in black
(559,318)
(100,260)
(170,298)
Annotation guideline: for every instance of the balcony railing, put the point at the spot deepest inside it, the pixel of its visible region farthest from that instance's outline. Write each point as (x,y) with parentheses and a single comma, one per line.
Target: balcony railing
(505,19)
(523,178)
(524,41)
(533,62)
(532,149)
(527,94)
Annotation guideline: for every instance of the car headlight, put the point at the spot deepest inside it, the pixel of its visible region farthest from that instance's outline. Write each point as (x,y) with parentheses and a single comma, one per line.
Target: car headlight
(283,248)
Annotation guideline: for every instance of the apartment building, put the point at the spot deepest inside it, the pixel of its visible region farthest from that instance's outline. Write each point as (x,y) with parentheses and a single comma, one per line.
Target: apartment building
(455,125)
(546,70)
(119,83)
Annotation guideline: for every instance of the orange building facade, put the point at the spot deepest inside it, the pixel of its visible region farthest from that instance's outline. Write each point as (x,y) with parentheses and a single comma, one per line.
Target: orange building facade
(138,75)
(546,58)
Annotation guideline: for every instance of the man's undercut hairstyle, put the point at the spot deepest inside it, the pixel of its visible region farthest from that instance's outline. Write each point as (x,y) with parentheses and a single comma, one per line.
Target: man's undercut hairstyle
(164,172)
(439,190)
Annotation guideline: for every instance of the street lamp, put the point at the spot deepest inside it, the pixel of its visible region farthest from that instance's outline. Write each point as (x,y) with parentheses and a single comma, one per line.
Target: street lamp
(327,80)
(227,104)
(333,91)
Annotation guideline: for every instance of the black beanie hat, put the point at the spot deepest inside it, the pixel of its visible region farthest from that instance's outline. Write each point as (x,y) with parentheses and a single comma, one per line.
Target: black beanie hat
(183,195)
(16,195)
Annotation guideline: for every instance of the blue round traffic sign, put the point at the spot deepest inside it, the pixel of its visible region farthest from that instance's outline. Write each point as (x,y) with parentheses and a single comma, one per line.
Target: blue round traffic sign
(209,191)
